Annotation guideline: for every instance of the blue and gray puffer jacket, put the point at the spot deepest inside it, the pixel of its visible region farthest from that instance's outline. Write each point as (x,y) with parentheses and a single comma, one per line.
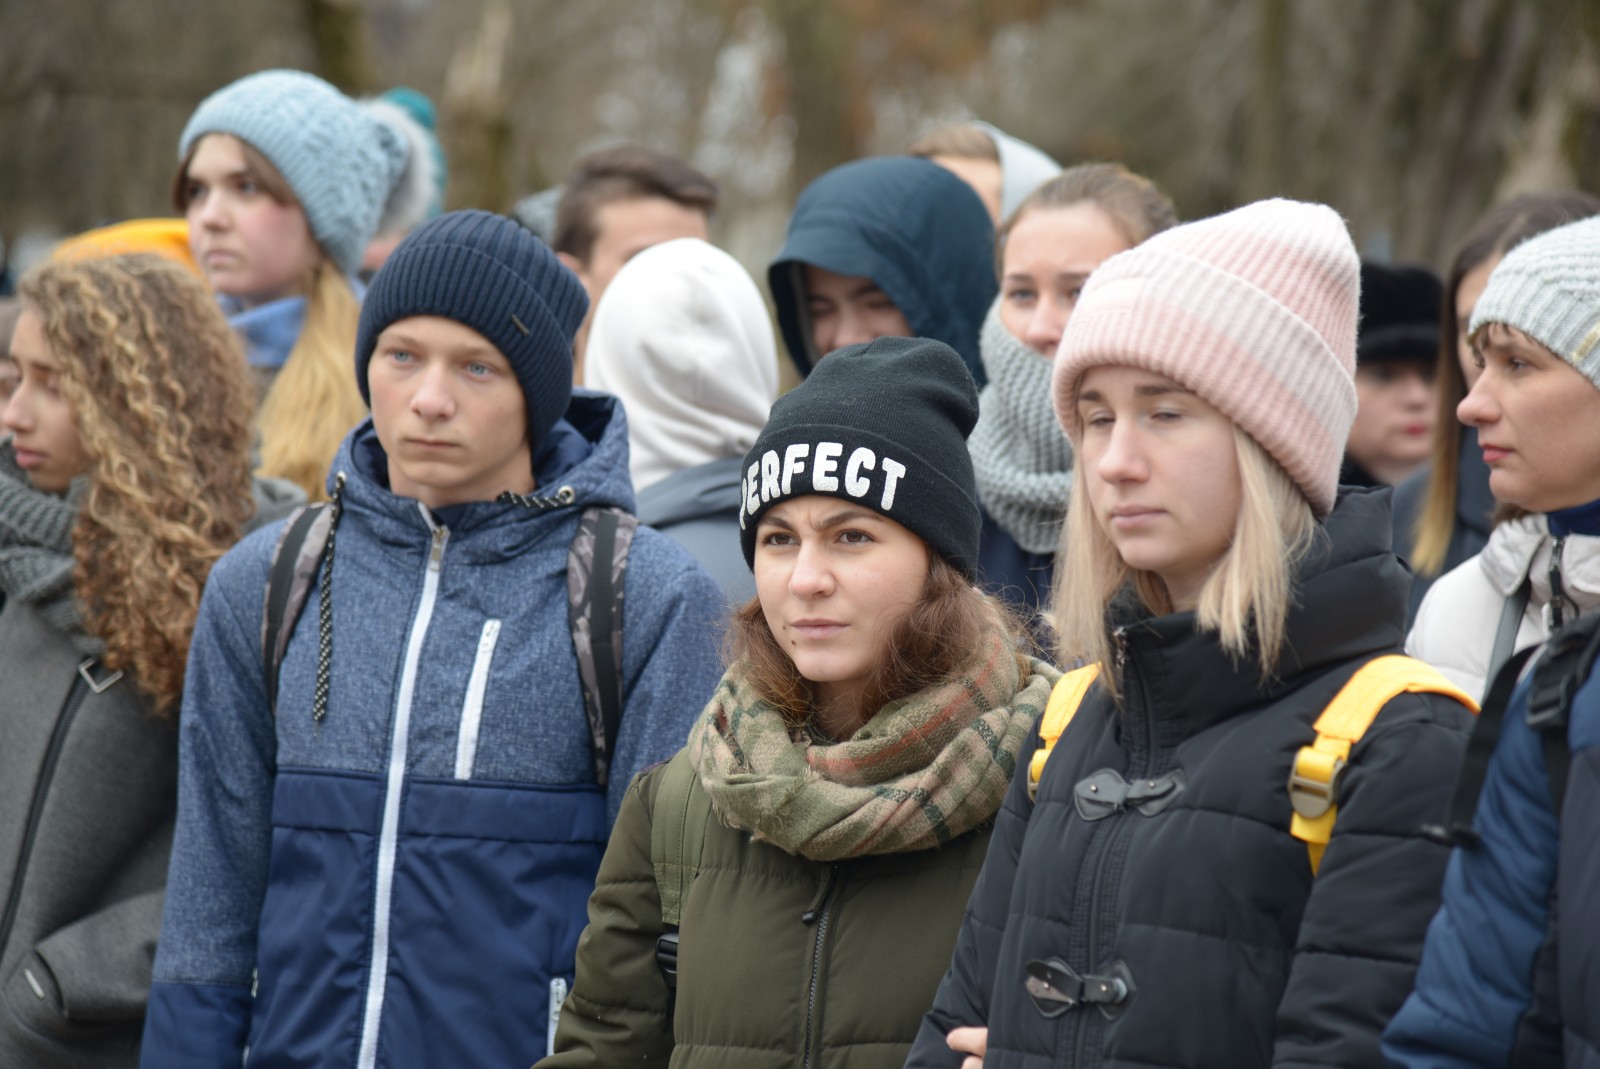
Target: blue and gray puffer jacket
(404,883)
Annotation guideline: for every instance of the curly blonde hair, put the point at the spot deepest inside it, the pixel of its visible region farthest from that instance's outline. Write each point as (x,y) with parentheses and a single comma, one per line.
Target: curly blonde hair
(158,389)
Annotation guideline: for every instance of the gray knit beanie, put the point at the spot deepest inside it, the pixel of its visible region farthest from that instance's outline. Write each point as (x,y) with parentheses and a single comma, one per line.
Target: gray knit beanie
(340,161)
(1549,288)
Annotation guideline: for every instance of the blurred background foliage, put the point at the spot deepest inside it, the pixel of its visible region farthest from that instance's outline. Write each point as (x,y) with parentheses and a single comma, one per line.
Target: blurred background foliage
(1409,116)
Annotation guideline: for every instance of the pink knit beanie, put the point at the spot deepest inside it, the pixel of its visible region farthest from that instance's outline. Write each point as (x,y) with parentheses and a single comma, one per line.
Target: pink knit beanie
(1254,310)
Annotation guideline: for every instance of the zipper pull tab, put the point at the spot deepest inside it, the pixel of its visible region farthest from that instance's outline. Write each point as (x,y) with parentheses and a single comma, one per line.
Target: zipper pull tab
(436,551)
(1558,592)
(1119,638)
(811,913)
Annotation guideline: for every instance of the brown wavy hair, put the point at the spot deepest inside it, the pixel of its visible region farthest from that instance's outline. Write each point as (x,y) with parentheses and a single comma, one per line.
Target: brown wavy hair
(930,644)
(157,385)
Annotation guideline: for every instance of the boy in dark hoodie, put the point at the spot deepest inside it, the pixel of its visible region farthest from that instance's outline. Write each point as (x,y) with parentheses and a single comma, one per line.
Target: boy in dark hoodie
(888,246)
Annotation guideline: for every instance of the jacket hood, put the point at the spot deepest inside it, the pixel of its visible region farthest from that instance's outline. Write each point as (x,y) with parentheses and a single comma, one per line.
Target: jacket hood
(1023,168)
(912,227)
(692,494)
(683,338)
(599,479)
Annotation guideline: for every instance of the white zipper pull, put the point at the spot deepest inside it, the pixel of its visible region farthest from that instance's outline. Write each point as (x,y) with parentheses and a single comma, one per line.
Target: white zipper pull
(558,995)
(436,552)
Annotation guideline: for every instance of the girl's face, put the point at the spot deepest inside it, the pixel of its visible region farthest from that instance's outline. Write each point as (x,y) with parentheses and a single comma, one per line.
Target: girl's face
(45,432)
(834,580)
(1048,256)
(250,245)
(1163,475)
(1538,421)
(1393,429)
(1468,291)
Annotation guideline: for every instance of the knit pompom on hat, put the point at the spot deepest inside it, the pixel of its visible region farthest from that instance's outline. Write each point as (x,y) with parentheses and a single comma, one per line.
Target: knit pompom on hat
(883,425)
(489,273)
(1549,289)
(1254,310)
(340,161)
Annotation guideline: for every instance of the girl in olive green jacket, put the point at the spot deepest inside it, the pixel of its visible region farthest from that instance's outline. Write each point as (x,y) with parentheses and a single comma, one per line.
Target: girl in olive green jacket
(853,756)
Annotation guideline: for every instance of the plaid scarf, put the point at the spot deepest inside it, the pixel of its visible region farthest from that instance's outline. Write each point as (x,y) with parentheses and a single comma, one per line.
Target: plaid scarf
(922,771)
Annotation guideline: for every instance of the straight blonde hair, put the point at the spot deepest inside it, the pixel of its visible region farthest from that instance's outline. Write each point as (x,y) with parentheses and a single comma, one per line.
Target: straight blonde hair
(314,401)
(1246,598)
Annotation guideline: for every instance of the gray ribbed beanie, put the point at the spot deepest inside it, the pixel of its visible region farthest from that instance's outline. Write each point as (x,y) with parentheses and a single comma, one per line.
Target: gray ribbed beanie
(340,161)
(489,273)
(1549,288)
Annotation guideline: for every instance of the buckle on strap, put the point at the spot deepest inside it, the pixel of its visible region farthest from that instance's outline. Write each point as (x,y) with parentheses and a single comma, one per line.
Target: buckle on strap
(1314,782)
(667,958)
(98,686)
(1055,987)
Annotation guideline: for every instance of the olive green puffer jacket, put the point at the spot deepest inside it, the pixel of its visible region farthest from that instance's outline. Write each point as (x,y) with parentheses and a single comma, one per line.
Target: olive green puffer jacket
(782,961)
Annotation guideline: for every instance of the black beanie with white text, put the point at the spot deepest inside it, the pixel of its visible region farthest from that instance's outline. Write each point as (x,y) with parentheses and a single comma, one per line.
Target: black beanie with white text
(883,425)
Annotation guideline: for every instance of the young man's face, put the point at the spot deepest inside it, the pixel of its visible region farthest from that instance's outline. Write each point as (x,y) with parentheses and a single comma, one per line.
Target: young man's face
(449,413)
(623,229)
(849,309)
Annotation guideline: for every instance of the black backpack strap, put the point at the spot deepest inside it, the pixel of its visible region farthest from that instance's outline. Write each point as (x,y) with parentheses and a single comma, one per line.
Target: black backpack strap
(1569,657)
(289,578)
(596,567)
(1457,827)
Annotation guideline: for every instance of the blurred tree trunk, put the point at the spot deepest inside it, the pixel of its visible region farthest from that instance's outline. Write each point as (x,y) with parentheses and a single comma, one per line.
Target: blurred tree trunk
(339,36)
(1264,151)
(477,109)
(825,99)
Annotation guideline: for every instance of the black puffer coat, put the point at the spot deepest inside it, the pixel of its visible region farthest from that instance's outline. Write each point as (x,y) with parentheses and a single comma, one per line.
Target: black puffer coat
(1206,906)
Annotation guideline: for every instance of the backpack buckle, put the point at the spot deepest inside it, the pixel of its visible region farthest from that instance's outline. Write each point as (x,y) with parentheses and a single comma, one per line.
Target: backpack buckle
(667,958)
(1314,782)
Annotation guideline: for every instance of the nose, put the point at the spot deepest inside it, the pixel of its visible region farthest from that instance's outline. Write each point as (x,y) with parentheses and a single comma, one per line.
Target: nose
(1043,331)
(853,329)
(14,413)
(811,576)
(1122,459)
(212,211)
(433,399)
(1479,408)
(1417,390)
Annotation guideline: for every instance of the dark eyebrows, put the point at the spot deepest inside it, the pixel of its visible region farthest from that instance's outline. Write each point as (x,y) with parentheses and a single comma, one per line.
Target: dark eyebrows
(1147,389)
(868,288)
(846,515)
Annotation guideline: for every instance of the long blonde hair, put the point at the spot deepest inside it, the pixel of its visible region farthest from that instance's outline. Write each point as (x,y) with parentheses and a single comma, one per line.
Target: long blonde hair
(314,399)
(158,389)
(1246,598)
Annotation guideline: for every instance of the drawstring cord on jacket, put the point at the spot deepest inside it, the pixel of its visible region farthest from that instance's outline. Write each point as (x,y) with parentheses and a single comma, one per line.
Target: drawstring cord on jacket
(319,707)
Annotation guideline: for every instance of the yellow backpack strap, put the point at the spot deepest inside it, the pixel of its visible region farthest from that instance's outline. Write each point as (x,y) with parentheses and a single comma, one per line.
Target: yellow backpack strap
(1314,777)
(1065,698)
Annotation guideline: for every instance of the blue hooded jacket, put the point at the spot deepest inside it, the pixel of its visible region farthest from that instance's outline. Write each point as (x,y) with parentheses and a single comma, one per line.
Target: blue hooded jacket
(910,226)
(404,883)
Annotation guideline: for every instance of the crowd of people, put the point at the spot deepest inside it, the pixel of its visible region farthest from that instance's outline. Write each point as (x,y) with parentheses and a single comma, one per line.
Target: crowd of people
(430,639)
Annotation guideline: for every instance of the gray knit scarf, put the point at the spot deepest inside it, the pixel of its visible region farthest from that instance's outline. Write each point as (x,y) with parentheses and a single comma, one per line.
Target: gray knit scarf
(1022,460)
(36,550)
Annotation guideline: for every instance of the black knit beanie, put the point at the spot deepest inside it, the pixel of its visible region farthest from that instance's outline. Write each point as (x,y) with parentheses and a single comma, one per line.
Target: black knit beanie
(486,272)
(884,425)
(1399,313)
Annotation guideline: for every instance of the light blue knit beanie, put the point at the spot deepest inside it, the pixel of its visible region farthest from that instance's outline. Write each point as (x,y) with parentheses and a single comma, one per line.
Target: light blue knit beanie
(340,161)
(1549,288)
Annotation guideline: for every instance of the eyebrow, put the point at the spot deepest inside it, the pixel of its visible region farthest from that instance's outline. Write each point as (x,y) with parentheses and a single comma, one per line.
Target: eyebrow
(867,289)
(843,516)
(469,349)
(1151,389)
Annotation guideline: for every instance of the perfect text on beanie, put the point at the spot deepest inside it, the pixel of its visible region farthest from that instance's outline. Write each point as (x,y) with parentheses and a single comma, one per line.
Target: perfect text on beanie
(1549,288)
(489,273)
(885,425)
(1255,311)
(340,161)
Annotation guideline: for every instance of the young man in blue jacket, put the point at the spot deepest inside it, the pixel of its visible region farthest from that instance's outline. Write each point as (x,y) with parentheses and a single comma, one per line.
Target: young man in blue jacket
(388,866)
(891,246)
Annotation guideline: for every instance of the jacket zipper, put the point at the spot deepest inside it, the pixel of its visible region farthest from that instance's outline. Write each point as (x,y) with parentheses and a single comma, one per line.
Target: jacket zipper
(818,914)
(1558,589)
(472,707)
(52,755)
(378,966)
(1114,833)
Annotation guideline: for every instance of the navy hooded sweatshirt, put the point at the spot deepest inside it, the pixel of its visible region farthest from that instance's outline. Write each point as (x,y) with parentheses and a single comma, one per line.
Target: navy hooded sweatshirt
(910,226)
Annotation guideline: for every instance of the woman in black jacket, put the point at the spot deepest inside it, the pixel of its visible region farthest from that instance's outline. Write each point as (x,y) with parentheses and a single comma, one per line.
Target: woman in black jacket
(1161,903)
